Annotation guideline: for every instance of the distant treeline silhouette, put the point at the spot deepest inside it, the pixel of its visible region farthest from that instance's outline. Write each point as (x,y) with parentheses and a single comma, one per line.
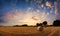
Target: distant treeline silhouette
(20,25)
(55,23)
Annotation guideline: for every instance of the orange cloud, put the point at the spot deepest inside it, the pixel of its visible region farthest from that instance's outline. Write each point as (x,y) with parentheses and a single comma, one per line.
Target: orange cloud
(35,18)
(48,4)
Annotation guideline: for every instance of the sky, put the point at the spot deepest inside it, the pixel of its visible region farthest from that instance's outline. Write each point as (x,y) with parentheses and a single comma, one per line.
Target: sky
(30,12)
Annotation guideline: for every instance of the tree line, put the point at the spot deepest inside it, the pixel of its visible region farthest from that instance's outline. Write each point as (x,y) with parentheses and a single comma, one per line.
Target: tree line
(45,23)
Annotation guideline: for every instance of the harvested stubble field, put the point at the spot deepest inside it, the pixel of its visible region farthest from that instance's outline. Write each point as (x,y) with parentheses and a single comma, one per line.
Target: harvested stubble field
(29,31)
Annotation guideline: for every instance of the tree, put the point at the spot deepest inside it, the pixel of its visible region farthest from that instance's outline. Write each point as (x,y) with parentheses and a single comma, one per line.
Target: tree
(45,23)
(16,26)
(56,23)
(39,24)
(24,25)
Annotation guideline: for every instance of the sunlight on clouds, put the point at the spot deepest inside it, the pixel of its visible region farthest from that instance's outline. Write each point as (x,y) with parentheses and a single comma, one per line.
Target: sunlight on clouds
(27,17)
(30,11)
(28,21)
(48,4)
(35,18)
(24,19)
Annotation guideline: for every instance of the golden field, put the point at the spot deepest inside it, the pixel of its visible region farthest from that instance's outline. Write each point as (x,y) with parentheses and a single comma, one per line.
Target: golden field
(29,31)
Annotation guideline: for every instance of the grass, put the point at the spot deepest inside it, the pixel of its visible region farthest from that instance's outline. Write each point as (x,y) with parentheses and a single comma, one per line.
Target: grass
(29,31)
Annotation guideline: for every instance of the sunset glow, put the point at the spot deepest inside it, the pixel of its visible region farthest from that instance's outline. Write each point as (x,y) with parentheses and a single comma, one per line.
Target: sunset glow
(30,12)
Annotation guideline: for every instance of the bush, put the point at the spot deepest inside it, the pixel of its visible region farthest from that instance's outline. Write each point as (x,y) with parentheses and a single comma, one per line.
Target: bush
(16,26)
(24,25)
(39,24)
(45,23)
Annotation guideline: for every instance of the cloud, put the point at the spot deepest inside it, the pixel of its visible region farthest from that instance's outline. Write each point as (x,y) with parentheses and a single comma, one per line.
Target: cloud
(1,21)
(48,13)
(35,18)
(56,11)
(30,17)
(42,6)
(37,11)
(55,3)
(48,4)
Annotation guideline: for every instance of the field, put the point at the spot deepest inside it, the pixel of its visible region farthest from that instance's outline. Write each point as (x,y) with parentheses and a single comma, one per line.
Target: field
(29,31)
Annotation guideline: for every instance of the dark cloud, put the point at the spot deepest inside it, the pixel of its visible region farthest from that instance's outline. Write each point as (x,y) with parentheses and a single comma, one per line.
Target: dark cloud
(1,16)
(1,21)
